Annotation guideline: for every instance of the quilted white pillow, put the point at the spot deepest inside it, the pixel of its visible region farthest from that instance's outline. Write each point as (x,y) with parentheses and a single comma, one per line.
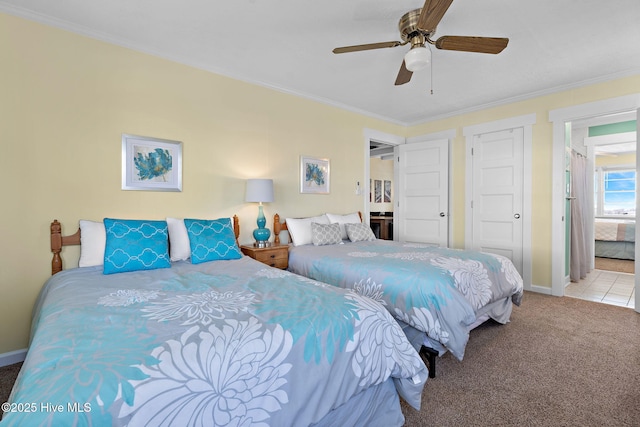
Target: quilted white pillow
(353,218)
(359,232)
(93,239)
(325,234)
(179,249)
(300,228)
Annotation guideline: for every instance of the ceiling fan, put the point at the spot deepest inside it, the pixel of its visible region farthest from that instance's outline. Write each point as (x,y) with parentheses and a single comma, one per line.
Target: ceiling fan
(417,27)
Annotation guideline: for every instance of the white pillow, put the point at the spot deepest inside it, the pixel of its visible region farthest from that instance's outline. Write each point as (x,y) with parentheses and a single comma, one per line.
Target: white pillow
(179,248)
(93,239)
(353,218)
(300,228)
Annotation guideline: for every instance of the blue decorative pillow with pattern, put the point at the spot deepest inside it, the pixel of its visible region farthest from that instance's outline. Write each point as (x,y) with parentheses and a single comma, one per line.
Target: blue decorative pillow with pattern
(134,245)
(211,240)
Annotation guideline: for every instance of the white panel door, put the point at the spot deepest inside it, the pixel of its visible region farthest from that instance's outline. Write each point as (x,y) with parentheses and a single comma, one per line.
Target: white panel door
(497,193)
(423,192)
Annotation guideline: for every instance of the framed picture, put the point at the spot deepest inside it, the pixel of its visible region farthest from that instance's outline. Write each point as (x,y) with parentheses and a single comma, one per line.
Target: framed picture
(151,164)
(387,191)
(377,191)
(314,175)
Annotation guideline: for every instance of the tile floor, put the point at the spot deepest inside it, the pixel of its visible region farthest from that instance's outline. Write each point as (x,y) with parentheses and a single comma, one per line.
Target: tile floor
(608,287)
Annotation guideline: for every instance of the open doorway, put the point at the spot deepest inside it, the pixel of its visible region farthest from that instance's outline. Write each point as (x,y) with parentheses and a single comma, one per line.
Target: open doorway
(562,119)
(602,214)
(381,191)
(378,164)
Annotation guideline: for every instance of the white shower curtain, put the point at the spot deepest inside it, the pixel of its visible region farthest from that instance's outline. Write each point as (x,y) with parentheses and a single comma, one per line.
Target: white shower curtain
(581,219)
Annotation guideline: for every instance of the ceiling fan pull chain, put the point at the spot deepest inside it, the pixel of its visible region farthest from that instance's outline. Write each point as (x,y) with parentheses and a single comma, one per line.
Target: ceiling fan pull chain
(431,74)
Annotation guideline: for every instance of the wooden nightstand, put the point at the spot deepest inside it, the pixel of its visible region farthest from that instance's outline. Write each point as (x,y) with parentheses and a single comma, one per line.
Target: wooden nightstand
(276,255)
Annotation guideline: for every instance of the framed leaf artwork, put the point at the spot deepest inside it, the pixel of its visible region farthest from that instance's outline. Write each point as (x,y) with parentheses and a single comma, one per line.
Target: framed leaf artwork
(314,175)
(151,164)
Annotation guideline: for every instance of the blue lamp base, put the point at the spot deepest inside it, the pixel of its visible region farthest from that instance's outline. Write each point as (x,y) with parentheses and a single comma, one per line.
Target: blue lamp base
(261,234)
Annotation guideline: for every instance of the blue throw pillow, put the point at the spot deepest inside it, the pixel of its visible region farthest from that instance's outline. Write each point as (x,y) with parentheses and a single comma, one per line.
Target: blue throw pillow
(211,240)
(134,245)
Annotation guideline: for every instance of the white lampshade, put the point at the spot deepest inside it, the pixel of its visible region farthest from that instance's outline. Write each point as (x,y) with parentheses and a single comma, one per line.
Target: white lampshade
(259,190)
(417,58)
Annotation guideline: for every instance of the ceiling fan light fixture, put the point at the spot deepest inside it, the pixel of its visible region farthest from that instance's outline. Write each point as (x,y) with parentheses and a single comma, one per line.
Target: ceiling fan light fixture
(417,58)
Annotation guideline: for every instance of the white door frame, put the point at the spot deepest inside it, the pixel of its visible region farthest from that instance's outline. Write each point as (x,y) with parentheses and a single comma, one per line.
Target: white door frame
(526,122)
(385,138)
(559,118)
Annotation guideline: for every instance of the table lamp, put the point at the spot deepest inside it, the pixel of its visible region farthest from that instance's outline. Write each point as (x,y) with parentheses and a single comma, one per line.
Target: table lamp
(261,191)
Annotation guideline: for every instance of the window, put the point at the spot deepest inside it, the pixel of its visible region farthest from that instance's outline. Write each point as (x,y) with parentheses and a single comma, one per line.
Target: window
(615,192)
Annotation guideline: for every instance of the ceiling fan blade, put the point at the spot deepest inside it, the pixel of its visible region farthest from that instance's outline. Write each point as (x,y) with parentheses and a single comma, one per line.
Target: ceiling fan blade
(472,44)
(431,14)
(404,75)
(369,46)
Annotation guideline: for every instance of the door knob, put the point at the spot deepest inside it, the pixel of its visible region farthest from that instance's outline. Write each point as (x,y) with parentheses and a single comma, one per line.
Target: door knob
(517,216)
(442,214)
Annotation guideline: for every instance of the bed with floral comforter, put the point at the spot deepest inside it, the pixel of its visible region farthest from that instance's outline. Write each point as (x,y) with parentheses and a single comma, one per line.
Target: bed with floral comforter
(224,343)
(439,293)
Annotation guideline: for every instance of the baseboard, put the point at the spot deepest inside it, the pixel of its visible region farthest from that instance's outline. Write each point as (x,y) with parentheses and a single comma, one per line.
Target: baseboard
(12,357)
(540,289)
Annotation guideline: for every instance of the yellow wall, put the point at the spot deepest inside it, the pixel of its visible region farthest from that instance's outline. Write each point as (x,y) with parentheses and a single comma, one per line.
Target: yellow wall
(628,159)
(67,100)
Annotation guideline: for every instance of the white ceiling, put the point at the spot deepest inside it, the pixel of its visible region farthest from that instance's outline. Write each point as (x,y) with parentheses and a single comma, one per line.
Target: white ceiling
(286,45)
(615,149)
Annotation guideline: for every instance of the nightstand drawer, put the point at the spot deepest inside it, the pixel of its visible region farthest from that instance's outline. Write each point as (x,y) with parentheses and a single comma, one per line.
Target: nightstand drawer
(269,256)
(281,263)
(274,256)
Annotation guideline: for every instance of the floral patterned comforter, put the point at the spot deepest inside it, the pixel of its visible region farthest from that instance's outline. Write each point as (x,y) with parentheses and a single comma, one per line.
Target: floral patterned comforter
(224,343)
(438,291)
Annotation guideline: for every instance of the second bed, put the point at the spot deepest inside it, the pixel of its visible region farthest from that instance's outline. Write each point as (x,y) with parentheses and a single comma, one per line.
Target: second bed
(437,294)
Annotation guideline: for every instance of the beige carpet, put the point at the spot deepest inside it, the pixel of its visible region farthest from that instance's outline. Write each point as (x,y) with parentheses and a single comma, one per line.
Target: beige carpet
(621,265)
(8,375)
(559,362)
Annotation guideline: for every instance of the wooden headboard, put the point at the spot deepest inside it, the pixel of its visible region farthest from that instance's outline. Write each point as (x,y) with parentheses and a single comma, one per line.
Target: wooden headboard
(280,226)
(58,241)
